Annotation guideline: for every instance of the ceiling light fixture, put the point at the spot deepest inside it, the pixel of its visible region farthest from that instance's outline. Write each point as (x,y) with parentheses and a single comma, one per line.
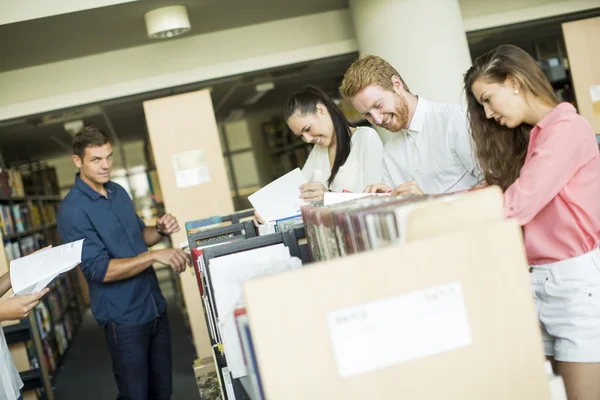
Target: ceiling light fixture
(167,22)
(261,90)
(72,127)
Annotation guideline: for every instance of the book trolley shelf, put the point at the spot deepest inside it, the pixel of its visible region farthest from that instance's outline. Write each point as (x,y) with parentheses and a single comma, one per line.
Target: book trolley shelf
(40,342)
(218,241)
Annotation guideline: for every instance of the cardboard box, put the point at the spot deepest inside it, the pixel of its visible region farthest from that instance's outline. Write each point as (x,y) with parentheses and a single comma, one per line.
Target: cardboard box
(449,317)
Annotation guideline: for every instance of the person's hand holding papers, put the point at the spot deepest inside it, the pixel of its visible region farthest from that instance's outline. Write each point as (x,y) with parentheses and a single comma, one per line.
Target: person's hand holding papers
(17,307)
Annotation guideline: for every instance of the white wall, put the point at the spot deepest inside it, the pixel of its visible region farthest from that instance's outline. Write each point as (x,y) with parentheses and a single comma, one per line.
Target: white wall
(23,10)
(483,14)
(198,58)
(165,64)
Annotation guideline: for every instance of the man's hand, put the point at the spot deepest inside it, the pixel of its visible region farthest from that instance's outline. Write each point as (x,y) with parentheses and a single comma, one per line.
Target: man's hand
(407,188)
(258,219)
(18,307)
(167,224)
(177,259)
(378,188)
(312,191)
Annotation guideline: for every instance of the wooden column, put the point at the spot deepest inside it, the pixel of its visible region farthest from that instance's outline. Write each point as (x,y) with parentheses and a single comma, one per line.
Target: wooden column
(178,125)
(582,39)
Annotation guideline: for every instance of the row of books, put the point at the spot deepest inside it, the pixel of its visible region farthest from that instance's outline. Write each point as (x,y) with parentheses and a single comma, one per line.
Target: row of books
(24,247)
(11,183)
(57,320)
(19,218)
(29,180)
(40,179)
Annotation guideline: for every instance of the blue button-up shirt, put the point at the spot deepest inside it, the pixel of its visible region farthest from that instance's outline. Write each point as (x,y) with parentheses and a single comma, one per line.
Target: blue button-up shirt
(111,229)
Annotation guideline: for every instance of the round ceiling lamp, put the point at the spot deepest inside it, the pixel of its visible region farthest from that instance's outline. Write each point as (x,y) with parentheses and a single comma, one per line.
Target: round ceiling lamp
(167,22)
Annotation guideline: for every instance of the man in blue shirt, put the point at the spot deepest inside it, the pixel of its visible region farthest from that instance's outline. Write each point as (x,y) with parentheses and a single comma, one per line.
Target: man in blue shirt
(124,293)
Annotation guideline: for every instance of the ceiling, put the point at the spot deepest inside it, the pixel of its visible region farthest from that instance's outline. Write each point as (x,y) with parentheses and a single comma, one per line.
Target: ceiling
(31,139)
(104,29)
(98,30)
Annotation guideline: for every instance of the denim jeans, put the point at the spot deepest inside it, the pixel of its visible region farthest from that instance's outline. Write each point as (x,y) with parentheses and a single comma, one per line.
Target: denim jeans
(141,358)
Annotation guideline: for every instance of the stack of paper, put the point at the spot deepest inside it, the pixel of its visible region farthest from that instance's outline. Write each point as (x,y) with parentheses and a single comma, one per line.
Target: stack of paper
(228,273)
(34,272)
(280,198)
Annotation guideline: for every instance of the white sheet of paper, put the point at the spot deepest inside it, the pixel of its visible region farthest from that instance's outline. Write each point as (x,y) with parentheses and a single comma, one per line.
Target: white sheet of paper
(34,272)
(228,273)
(280,198)
(334,197)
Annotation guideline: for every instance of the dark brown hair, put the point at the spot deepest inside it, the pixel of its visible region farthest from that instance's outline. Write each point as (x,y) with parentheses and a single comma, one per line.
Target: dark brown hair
(500,150)
(305,102)
(88,136)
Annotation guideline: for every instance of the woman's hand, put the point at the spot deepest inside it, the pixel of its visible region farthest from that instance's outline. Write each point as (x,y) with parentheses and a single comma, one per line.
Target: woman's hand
(258,219)
(312,191)
(378,188)
(18,307)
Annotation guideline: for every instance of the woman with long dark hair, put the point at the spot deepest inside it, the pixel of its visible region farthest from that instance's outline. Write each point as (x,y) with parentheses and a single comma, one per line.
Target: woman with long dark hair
(545,158)
(344,157)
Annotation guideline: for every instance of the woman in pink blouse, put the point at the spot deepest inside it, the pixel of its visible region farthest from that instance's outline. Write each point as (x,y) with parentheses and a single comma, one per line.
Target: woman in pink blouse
(545,158)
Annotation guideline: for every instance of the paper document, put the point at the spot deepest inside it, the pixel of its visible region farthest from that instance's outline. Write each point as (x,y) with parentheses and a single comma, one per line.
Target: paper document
(32,273)
(280,198)
(330,198)
(228,274)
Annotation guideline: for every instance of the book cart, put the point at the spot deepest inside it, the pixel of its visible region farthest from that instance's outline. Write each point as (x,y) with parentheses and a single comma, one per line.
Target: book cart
(218,241)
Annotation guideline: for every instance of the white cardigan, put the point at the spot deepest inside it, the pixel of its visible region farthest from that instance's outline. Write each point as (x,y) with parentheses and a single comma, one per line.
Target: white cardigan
(361,169)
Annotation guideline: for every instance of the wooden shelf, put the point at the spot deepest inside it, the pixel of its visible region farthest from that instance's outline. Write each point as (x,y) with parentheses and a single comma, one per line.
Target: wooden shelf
(17,333)
(32,379)
(29,232)
(41,197)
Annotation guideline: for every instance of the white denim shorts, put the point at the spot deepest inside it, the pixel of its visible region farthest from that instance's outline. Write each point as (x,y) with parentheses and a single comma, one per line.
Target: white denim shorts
(567,299)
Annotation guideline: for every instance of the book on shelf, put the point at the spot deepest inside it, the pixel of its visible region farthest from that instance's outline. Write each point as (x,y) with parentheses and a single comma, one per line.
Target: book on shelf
(280,225)
(26,245)
(6,221)
(373,222)
(243,329)
(11,183)
(202,224)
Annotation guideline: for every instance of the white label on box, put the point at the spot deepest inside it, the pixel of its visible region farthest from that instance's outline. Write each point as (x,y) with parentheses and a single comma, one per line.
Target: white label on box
(399,329)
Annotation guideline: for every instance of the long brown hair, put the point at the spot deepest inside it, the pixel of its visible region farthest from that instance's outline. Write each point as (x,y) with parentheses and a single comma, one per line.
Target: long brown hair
(500,150)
